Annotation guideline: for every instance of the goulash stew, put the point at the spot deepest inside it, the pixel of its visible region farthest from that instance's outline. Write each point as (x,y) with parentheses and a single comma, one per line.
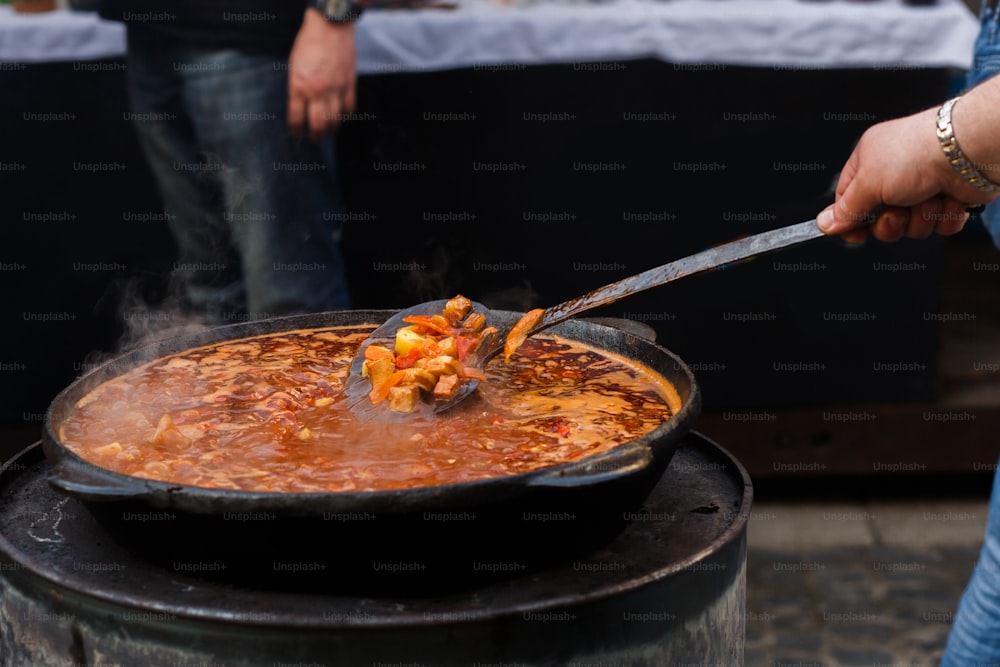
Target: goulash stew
(427,357)
(263,414)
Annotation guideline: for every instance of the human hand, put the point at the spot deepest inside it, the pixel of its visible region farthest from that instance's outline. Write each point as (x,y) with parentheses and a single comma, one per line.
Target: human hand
(899,165)
(321,76)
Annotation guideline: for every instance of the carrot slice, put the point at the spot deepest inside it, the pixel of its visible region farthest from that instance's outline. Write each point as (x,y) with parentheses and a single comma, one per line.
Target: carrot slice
(376,352)
(407,360)
(430,323)
(519,333)
(473,373)
(379,393)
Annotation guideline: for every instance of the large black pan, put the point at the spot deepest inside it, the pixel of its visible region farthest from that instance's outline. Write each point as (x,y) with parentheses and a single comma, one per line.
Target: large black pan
(633,461)
(568,499)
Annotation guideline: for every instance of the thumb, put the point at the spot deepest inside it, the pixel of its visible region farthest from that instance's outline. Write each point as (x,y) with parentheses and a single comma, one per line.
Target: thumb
(851,210)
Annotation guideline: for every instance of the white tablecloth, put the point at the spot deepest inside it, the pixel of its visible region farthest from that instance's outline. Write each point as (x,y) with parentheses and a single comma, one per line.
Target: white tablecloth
(761,33)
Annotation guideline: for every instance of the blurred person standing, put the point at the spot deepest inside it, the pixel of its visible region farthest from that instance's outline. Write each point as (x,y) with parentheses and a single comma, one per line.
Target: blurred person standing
(234,104)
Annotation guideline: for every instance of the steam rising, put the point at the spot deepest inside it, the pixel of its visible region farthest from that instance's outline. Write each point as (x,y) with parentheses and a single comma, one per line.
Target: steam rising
(145,321)
(519,298)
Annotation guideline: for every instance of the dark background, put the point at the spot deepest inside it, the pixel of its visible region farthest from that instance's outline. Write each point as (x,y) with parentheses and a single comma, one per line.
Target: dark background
(771,168)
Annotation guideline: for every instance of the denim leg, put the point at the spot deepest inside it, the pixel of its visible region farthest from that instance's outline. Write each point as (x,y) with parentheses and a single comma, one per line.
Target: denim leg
(974,640)
(206,273)
(975,635)
(245,198)
(986,63)
(281,194)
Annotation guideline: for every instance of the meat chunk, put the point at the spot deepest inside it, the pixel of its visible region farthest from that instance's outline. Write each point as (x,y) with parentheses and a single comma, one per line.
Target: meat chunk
(457,308)
(446,386)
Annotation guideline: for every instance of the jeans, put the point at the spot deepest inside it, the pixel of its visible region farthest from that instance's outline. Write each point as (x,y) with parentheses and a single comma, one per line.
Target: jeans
(975,635)
(986,63)
(254,211)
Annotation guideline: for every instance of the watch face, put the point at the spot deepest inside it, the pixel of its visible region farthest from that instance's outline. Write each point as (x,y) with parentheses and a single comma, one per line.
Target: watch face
(337,10)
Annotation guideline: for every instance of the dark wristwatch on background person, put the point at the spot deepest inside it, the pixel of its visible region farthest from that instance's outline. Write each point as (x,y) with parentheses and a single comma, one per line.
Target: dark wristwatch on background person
(338,11)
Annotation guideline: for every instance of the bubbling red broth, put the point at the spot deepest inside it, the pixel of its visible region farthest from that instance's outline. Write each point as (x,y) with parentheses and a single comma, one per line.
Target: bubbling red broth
(264,414)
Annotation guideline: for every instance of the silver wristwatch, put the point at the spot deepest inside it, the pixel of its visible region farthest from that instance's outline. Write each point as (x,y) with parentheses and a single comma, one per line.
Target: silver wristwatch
(339,11)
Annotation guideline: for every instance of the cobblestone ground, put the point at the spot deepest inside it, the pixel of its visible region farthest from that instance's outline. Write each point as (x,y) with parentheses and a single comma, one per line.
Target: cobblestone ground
(858,605)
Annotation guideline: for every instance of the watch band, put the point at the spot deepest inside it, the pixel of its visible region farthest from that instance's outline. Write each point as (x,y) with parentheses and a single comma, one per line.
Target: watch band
(949,144)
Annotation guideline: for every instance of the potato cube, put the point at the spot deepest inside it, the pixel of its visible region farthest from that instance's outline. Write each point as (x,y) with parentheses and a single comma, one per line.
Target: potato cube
(403,399)
(380,369)
(421,378)
(408,339)
(443,365)
(448,346)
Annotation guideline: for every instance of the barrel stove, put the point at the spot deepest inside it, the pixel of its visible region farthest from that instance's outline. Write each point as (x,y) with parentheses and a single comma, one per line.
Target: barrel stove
(668,590)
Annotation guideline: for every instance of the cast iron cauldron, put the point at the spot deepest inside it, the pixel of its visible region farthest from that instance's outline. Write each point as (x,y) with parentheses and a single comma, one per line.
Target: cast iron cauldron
(525,519)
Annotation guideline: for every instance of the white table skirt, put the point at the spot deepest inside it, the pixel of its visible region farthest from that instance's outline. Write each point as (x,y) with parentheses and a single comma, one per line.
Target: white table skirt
(484,33)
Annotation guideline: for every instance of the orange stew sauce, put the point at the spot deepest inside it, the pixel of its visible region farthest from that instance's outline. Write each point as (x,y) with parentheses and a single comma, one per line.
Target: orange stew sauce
(263,414)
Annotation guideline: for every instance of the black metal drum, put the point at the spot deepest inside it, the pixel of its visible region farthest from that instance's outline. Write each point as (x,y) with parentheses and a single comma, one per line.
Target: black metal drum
(668,590)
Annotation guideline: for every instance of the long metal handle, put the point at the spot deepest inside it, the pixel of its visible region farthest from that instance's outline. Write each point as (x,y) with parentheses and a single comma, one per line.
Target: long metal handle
(713,258)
